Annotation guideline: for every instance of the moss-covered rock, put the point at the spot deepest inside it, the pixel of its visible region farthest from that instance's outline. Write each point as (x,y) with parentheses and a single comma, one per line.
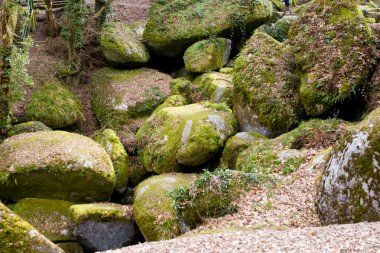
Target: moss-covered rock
(16,235)
(27,127)
(172,101)
(103,226)
(119,157)
(71,247)
(266,96)
(174,24)
(187,135)
(55,106)
(51,217)
(154,214)
(214,87)
(57,165)
(280,29)
(334,49)
(210,195)
(315,134)
(121,46)
(120,95)
(235,146)
(348,190)
(181,86)
(207,55)
(226,70)
(265,157)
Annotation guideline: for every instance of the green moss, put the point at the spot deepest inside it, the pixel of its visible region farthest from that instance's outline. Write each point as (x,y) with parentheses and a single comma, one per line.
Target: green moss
(181,86)
(210,195)
(226,70)
(55,106)
(120,95)
(174,24)
(57,165)
(119,157)
(153,211)
(51,217)
(100,212)
(121,46)
(315,133)
(187,135)
(16,235)
(235,146)
(27,127)
(214,87)
(266,86)
(279,30)
(172,101)
(207,55)
(334,51)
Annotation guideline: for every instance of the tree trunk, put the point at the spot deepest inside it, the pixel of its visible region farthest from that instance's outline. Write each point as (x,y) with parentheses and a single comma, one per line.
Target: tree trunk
(5,39)
(50,18)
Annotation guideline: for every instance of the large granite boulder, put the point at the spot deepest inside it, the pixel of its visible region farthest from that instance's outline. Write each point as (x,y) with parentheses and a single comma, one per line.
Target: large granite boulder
(121,46)
(51,217)
(17,235)
(174,25)
(266,97)
(188,135)
(103,226)
(207,55)
(57,165)
(55,106)
(119,157)
(349,187)
(334,48)
(121,95)
(154,214)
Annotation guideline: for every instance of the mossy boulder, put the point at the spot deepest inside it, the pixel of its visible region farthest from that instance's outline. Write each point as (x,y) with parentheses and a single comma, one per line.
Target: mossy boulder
(55,106)
(27,127)
(210,195)
(154,214)
(57,165)
(17,235)
(121,95)
(236,145)
(266,98)
(119,157)
(51,217)
(172,101)
(181,86)
(280,29)
(214,87)
(121,46)
(104,226)
(188,135)
(265,157)
(174,25)
(334,49)
(349,188)
(207,55)
(315,134)
(71,247)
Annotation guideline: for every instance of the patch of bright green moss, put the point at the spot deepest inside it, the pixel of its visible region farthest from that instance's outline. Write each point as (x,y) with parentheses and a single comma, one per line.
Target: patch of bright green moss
(27,127)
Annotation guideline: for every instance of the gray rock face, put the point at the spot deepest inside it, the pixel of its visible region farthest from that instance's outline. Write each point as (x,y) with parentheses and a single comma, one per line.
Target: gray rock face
(349,189)
(98,236)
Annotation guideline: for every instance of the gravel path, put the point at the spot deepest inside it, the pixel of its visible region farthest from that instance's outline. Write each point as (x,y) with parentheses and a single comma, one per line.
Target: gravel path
(362,237)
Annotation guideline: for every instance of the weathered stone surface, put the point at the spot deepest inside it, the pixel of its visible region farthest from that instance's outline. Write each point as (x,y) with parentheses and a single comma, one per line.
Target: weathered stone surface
(58,165)
(266,97)
(121,95)
(154,214)
(27,127)
(16,235)
(103,226)
(174,25)
(51,217)
(189,135)
(121,46)
(349,187)
(334,48)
